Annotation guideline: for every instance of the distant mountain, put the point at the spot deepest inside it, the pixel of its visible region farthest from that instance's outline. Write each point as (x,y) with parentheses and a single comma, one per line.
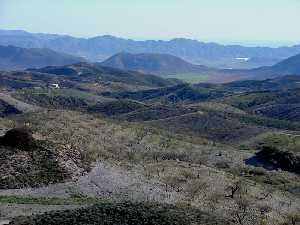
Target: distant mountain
(102,47)
(12,58)
(289,66)
(161,64)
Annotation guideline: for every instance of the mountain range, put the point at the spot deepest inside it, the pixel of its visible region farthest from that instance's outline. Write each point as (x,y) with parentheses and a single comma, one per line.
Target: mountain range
(12,58)
(164,65)
(16,58)
(102,47)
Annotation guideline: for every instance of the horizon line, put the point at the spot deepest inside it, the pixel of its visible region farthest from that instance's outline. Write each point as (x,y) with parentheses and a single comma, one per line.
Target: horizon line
(224,42)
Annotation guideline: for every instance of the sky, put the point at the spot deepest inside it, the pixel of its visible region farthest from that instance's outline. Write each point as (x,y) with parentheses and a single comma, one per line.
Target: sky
(251,22)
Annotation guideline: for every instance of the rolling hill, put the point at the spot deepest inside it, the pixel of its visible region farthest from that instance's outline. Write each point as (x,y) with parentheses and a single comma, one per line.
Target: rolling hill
(98,73)
(12,58)
(82,77)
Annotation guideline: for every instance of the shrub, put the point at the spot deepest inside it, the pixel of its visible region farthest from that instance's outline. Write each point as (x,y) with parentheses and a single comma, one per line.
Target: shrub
(253,172)
(222,165)
(125,214)
(282,159)
(20,138)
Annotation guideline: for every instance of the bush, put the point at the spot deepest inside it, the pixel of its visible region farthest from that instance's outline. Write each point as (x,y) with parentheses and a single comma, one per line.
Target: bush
(20,138)
(222,165)
(282,159)
(125,214)
(253,172)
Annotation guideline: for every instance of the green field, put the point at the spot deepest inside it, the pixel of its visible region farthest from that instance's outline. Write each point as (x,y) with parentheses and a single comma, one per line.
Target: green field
(190,77)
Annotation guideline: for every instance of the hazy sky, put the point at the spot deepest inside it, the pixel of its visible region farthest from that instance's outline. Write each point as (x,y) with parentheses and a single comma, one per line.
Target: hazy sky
(214,20)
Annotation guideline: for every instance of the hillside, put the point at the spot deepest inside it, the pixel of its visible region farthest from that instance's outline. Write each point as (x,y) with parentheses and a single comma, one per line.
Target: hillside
(102,47)
(161,64)
(26,162)
(82,77)
(194,150)
(12,58)
(290,66)
(278,83)
(139,164)
(10,105)
(97,73)
(283,105)
(174,94)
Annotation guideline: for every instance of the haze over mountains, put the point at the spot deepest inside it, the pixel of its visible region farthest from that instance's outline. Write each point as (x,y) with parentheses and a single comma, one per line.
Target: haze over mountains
(13,58)
(102,47)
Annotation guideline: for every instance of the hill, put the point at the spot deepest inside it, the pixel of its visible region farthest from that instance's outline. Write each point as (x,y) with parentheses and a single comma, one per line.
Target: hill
(102,47)
(84,77)
(278,83)
(289,66)
(278,104)
(161,64)
(99,73)
(12,58)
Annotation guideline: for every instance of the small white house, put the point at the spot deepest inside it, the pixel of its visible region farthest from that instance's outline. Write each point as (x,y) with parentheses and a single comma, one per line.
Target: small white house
(55,86)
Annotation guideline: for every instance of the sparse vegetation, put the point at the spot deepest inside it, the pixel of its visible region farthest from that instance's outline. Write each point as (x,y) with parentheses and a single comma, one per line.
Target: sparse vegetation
(186,152)
(48,201)
(126,213)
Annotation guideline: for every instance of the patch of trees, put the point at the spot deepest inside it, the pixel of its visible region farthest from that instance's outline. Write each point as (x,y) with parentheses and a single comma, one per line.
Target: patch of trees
(284,160)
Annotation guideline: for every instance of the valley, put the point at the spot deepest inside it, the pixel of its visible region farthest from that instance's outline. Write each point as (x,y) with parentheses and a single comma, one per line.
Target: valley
(107,142)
